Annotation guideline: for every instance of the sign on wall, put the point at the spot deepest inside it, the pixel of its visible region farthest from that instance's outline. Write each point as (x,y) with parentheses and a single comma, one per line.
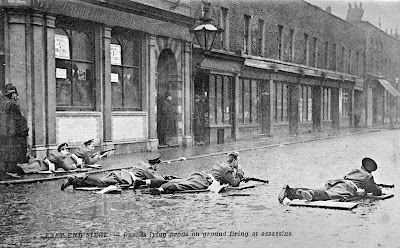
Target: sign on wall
(61,46)
(115,51)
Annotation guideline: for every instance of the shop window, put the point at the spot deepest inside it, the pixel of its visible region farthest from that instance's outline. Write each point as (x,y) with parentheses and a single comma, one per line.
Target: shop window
(125,71)
(281,100)
(248,101)
(345,102)
(75,82)
(326,103)
(305,104)
(220,99)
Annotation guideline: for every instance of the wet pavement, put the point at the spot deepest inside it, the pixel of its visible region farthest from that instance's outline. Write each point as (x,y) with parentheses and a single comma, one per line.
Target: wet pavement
(40,215)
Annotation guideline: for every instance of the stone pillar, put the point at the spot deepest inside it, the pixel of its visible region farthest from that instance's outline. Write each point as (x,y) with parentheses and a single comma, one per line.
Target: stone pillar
(17,63)
(352,108)
(368,103)
(235,119)
(267,107)
(293,111)
(335,113)
(187,81)
(39,90)
(317,108)
(50,81)
(106,88)
(152,142)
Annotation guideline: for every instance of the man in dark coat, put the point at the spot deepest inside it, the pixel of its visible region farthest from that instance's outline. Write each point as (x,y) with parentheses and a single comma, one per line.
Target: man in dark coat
(343,189)
(166,119)
(13,133)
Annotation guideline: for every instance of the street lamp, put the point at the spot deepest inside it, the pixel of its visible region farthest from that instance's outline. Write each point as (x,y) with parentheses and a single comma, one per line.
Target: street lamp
(206,33)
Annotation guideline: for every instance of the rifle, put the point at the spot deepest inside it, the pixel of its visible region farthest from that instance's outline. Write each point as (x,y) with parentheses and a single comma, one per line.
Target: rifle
(385,185)
(246,179)
(105,151)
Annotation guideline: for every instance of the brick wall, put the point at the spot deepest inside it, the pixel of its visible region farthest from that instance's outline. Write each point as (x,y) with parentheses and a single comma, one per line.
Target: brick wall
(297,15)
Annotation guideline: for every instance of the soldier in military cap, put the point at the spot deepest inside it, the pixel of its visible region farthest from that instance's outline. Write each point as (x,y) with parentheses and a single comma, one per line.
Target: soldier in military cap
(126,177)
(227,172)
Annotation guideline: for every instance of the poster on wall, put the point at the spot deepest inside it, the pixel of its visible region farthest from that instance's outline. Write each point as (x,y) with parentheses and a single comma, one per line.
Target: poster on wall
(61,46)
(61,73)
(115,51)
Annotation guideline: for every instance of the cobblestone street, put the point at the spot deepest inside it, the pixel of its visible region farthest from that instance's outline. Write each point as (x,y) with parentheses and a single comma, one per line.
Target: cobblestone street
(39,214)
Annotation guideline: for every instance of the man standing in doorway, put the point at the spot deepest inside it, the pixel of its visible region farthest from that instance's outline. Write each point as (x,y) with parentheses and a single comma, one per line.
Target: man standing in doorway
(166,119)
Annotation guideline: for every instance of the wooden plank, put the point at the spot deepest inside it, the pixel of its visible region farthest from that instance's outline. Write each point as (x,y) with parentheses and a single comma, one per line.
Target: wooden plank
(324,204)
(372,197)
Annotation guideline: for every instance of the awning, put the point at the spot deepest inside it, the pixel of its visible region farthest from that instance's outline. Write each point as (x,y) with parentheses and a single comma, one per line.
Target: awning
(389,87)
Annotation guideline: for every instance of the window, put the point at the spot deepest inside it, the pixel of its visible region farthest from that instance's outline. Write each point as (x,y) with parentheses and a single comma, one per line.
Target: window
(326,103)
(281,102)
(306,50)
(326,55)
(357,62)
(126,55)
(343,59)
(248,103)
(74,53)
(261,37)
(315,52)
(247,38)
(280,42)
(220,98)
(291,45)
(345,102)
(305,104)
(334,57)
(225,26)
(349,62)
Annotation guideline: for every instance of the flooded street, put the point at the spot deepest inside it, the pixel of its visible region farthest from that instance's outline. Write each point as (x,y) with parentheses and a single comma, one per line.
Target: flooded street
(40,215)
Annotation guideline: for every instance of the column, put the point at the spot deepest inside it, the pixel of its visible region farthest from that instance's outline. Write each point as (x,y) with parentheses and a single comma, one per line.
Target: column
(187,138)
(293,111)
(106,88)
(235,119)
(352,108)
(267,107)
(152,142)
(39,90)
(50,81)
(335,113)
(368,100)
(317,108)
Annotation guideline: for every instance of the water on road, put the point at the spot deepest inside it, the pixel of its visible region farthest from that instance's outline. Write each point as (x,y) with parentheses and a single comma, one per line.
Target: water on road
(40,215)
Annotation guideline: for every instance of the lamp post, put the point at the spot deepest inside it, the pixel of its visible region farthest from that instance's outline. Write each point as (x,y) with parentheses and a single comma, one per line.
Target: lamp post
(206,33)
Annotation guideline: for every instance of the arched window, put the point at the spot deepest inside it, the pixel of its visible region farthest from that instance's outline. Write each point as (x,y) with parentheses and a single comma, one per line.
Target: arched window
(126,56)
(74,53)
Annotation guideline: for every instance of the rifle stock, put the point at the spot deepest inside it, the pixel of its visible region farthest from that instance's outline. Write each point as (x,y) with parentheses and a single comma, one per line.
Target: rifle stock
(246,179)
(105,151)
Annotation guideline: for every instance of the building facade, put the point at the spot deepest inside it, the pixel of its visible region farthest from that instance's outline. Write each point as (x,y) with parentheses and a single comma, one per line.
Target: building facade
(289,68)
(94,69)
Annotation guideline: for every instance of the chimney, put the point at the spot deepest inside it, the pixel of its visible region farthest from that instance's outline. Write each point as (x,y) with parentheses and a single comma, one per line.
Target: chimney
(391,31)
(380,24)
(329,9)
(354,14)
